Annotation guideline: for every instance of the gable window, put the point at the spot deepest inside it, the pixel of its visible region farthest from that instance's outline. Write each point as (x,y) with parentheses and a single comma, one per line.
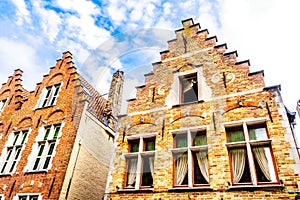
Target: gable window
(12,153)
(46,147)
(188,88)
(250,154)
(140,162)
(190,158)
(49,96)
(2,104)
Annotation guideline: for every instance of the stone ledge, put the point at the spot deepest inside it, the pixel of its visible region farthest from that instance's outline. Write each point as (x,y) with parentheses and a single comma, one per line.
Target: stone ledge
(135,191)
(190,189)
(256,187)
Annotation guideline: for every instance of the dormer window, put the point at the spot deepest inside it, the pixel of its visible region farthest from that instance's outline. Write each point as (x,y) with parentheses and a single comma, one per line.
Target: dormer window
(49,96)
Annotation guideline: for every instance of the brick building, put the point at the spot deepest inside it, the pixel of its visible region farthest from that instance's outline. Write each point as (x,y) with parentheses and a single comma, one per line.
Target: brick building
(204,127)
(56,141)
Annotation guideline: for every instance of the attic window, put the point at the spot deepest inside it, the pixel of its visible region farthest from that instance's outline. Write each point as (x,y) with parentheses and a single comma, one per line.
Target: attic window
(188,88)
(2,104)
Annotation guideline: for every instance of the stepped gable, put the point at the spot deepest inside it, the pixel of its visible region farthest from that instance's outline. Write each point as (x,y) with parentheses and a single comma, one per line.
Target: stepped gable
(193,48)
(13,89)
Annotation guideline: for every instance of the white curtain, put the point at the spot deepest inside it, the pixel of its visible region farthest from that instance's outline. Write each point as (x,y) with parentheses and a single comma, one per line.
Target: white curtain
(181,168)
(203,164)
(238,159)
(151,163)
(132,172)
(260,155)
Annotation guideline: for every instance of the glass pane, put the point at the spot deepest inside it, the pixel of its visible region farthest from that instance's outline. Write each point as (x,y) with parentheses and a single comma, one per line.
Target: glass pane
(24,136)
(56,131)
(189,88)
(3,168)
(257,133)
(8,154)
(134,146)
(33,198)
(264,164)
(42,146)
(16,138)
(47,161)
(240,166)
(47,131)
(150,145)
(235,135)
(56,90)
(52,101)
(200,139)
(181,140)
(36,164)
(51,148)
(12,166)
(18,150)
(22,197)
(181,169)
(201,175)
(147,176)
(131,172)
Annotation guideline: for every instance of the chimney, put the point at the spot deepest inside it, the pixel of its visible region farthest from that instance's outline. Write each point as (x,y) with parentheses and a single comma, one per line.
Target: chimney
(115,92)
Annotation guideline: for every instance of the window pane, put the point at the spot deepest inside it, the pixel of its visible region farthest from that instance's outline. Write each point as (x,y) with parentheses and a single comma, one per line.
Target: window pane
(264,164)
(36,164)
(181,169)
(235,135)
(56,131)
(181,140)
(189,88)
(201,175)
(16,138)
(47,161)
(22,197)
(47,131)
(42,146)
(240,166)
(199,138)
(147,176)
(257,133)
(150,145)
(33,198)
(131,172)
(24,136)
(134,145)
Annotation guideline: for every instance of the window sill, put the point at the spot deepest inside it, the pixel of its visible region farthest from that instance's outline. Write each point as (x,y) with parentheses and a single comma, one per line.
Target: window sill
(36,172)
(39,108)
(188,103)
(256,187)
(3,175)
(185,189)
(131,190)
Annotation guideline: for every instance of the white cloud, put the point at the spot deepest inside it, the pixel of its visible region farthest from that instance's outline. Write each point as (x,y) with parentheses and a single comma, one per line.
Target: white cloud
(50,21)
(22,12)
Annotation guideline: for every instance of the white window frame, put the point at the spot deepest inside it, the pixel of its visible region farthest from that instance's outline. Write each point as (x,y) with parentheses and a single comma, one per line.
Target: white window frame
(2,197)
(27,195)
(248,144)
(49,95)
(15,146)
(46,141)
(139,155)
(189,149)
(204,92)
(2,104)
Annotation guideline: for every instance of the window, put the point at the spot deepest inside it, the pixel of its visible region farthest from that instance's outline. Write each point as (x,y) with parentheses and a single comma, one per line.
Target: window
(2,104)
(190,156)
(46,146)
(1,196)
(140,163)
(250,154)
(49,96)
(188,88)
(27,197)
(12,152)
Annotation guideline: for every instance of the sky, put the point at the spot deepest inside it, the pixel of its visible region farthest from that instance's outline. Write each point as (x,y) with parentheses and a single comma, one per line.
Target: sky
(107,35)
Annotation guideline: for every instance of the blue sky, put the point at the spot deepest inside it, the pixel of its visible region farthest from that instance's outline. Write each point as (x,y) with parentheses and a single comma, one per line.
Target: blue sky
(33,35)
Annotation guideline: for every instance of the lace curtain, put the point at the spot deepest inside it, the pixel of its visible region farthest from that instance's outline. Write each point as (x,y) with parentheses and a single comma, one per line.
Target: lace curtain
(238,160)
(203,164)
(132,172)
(181,168)
(260,155)
(151,163)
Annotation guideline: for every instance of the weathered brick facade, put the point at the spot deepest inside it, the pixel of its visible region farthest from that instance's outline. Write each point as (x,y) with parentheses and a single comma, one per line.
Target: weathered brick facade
(228,95)
(82,142)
